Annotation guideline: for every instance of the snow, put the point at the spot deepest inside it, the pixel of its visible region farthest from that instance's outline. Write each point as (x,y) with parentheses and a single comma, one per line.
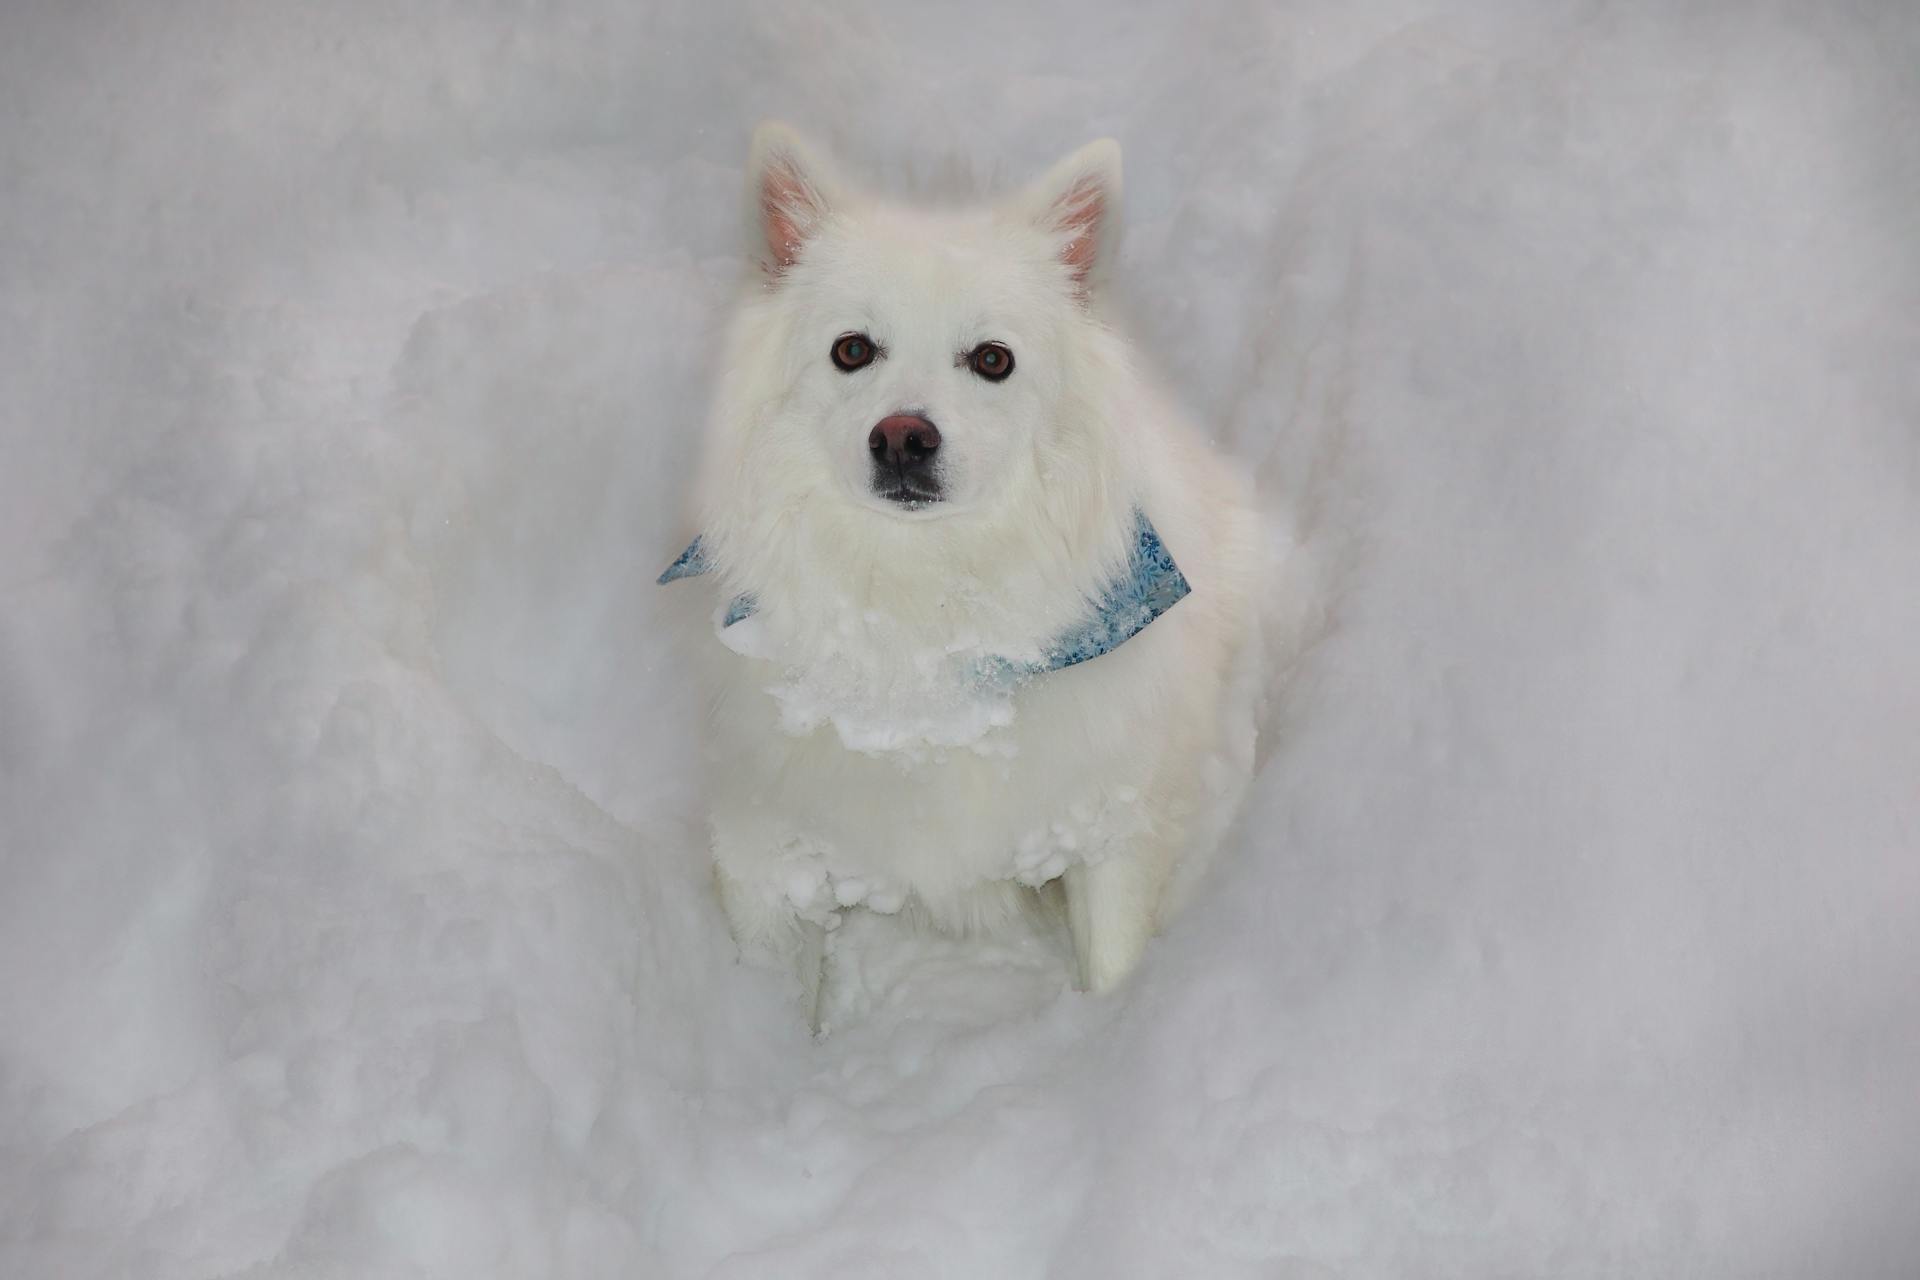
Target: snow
(353,915)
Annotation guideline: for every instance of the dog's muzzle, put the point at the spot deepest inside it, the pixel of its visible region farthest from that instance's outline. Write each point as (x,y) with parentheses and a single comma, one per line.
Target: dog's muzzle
(903,448)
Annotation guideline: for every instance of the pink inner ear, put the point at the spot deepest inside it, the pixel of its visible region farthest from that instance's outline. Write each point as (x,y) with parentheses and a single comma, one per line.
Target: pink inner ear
(1079,213)
(786,206)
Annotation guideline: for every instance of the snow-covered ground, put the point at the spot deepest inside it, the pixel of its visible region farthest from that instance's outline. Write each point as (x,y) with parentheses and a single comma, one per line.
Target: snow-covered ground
(353,913)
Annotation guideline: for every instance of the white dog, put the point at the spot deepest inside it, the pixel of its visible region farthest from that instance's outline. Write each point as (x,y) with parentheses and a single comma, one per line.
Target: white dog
(984,601)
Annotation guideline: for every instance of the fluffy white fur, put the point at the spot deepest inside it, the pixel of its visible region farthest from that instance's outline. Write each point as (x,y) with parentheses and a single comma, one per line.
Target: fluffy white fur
(856,758)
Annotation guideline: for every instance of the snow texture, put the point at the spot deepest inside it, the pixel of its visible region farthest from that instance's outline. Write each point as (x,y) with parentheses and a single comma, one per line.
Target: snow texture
(354,919)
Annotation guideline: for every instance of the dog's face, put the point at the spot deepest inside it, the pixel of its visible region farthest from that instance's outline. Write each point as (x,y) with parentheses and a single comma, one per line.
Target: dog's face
(926,356)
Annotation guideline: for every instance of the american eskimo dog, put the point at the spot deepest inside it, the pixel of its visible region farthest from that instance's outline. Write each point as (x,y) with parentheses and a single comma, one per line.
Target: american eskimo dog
(982,598)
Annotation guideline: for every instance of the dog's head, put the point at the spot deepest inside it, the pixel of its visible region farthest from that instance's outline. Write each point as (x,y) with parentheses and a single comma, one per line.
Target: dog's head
(916,365)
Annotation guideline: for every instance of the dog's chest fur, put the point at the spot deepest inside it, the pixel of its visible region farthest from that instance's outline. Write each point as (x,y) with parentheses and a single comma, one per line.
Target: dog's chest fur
(1011,785)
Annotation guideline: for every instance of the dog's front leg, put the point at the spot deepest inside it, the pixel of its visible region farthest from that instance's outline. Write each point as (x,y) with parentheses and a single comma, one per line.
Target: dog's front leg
(810,966)
(767,924)
(1111,906)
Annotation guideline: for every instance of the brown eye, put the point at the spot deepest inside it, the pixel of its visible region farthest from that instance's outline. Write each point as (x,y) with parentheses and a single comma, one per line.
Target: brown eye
(991,360)
(852,351)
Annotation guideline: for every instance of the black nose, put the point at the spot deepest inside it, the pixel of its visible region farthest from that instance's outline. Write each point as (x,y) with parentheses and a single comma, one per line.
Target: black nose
(903,441)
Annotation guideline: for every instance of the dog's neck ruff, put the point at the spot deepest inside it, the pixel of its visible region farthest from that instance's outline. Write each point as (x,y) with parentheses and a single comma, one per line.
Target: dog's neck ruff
(1150,585)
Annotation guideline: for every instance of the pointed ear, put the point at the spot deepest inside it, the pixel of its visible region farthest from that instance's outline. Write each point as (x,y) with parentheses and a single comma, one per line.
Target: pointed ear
(1079,199)
(789,195)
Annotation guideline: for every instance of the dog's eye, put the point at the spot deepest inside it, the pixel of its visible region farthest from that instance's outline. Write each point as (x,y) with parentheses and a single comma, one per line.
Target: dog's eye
(991,360)
(852,351)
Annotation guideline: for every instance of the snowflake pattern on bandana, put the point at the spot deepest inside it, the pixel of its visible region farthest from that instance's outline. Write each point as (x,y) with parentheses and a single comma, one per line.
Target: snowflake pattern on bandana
(1151,585)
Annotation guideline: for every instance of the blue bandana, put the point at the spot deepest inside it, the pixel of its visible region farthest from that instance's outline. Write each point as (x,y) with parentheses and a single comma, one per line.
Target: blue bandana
(1151,585)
